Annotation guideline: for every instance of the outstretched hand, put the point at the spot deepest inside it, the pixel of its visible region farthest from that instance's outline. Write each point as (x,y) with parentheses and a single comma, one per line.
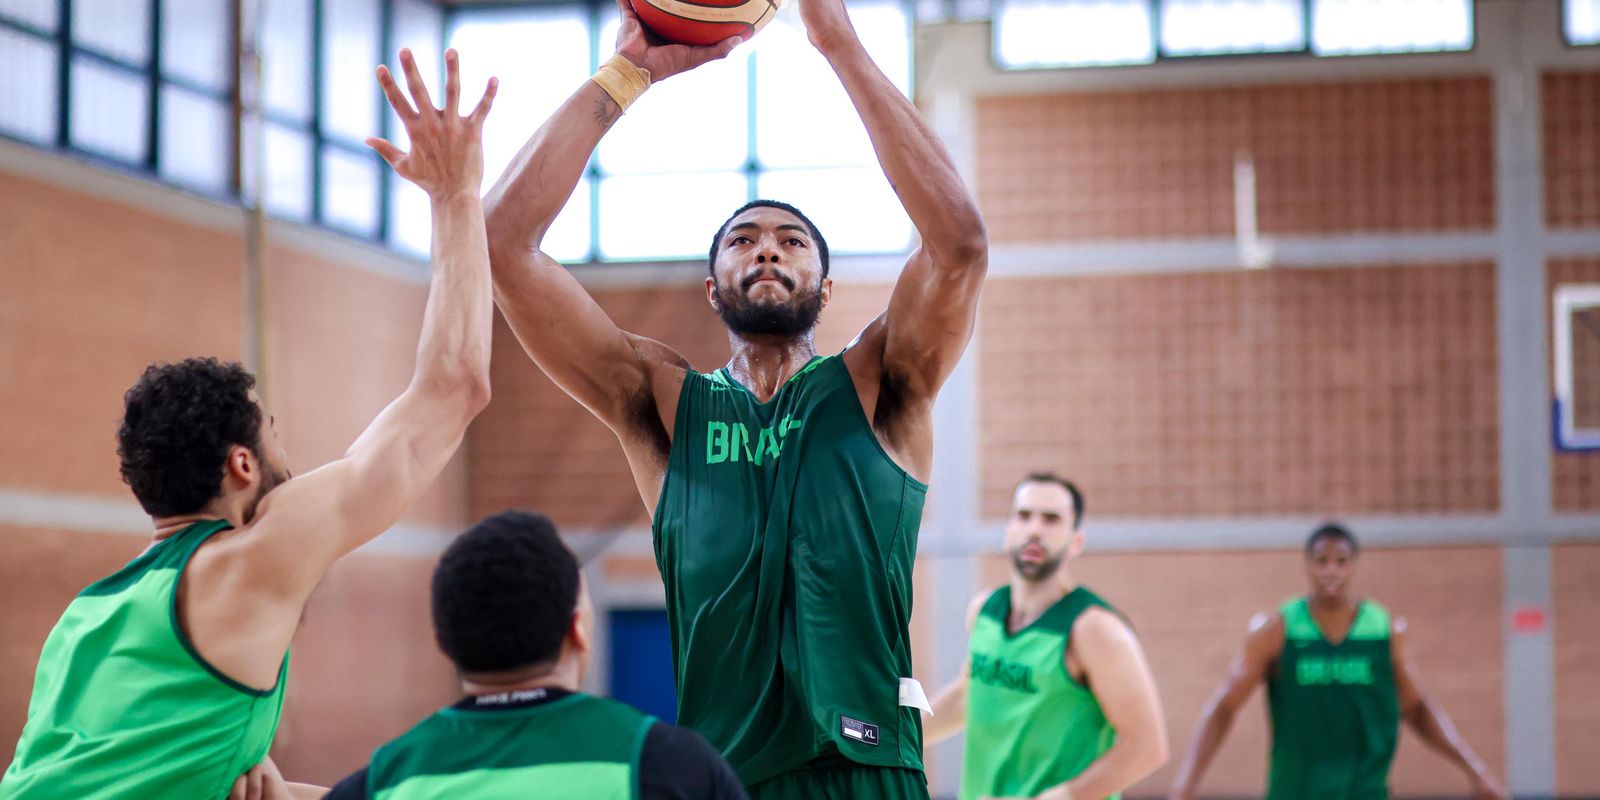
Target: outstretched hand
(446,155)
(644,50)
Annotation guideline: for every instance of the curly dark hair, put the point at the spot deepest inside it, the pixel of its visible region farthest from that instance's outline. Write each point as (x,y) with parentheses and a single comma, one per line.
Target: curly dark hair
(822,244)
(178,423)
(504,593)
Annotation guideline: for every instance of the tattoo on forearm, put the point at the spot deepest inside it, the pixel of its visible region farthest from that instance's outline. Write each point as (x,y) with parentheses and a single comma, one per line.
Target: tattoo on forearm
(607,112)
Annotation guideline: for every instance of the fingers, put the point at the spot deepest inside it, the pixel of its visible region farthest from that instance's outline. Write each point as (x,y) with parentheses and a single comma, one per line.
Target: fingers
(237,792)
(625,7)
(482,111)
(254,778)
(724,47)
(419,89)
(713,52)
(388,152)
(452,82)
(397,100)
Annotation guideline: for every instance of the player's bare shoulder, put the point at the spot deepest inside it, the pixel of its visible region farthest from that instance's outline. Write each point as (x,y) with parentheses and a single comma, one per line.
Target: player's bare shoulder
(1265,637)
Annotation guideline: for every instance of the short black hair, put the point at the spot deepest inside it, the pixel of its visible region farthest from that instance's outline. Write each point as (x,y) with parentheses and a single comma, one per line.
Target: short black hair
(1332,530)
(504,593)
(1072,489)
(716,241)
(178,423)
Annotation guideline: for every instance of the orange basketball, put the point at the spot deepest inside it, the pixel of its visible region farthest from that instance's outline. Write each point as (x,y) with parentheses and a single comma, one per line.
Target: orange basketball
(702,22)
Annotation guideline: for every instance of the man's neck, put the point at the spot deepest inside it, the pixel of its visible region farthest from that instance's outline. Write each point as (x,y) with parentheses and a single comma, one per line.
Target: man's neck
(1332,604)
(1030,599)
(168,526)
(564,677)
(764,363)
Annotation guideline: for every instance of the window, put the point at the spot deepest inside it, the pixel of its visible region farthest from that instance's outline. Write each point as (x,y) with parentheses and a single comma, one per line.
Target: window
(1217,27)
(1073,33)
(146,84)
(1582,21)
(1085,33)
(1364,27)
(770,120)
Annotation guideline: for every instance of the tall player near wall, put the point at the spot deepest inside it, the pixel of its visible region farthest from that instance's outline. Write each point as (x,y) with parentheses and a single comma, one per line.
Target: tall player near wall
(166,679)
(787,488)
(1339,682)
(1056,697)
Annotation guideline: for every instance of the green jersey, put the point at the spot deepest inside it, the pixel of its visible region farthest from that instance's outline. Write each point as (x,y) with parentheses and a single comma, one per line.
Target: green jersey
(1334,707)
(123,705)
(1030,724)
(576,746)
(785,536)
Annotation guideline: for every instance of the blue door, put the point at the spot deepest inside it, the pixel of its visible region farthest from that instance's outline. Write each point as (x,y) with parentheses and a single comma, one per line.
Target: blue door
(641,662)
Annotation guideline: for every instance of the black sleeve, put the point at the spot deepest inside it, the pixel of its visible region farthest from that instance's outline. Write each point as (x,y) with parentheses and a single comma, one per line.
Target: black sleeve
(353,787)
(677,764)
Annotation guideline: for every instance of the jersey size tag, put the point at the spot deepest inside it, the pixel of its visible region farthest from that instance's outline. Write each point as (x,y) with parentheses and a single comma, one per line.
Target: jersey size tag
(864,732)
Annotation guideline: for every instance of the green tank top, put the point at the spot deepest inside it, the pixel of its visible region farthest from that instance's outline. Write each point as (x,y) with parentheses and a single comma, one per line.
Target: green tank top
(785,536)
(1030,725)
(1334,708)
(579,747)
(123,705)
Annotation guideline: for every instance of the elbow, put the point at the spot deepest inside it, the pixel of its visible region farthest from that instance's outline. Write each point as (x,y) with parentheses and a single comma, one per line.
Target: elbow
(476,394)
(465,390)
(1149,752)
(966,243)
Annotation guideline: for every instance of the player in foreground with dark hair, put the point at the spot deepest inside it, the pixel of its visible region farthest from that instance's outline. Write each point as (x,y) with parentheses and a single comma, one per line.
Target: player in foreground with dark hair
(511,611)
(166,679)
(1339,682)
(787,488)
(1056,696)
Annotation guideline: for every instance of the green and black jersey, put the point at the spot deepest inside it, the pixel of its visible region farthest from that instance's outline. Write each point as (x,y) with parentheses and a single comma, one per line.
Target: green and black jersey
(785,536)
(1334,707)
(123,705)
(542,743)
(1030,724)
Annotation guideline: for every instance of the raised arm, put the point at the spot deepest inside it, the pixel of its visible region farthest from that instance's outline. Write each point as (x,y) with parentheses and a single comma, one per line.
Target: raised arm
(1115,669)
(1249,669)
(314,519)
(1429,721)
(558,323)
(935,301)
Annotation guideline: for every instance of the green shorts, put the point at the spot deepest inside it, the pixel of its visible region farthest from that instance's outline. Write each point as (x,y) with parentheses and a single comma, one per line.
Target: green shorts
(842,779)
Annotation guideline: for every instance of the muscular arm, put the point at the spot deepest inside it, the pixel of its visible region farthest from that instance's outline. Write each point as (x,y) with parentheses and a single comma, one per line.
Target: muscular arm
(949,715)
(311,521)
(1429,721)
(1249,669)
(1115,669)
(560,326)
(934,303)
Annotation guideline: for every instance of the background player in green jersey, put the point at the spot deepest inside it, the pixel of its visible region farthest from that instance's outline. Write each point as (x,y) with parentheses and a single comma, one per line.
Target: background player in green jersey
(786,489)
(166,679)
(1056,697)
(1339,681)
(511,611)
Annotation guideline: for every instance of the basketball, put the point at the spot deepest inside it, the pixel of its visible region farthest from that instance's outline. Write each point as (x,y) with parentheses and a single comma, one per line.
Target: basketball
(704,22)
